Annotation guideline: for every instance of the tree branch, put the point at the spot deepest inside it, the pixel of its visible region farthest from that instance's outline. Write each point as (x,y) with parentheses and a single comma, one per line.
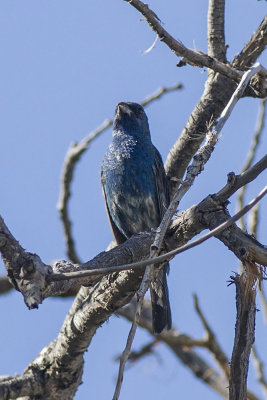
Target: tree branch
(180,344)
(18,387)
(111,292)
(216,37)
(259,368)
(211,342)
(252,153)
(244,335)
(253,48)
(218,90)
(33,278)
(192,57)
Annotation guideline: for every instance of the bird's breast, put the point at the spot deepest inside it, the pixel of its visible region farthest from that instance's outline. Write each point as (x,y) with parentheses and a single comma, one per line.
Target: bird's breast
(130,188)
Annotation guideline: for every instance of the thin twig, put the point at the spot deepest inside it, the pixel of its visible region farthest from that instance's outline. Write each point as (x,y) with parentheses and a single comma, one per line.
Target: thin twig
(159,93)
(124,358)
(254,224)
(252,153)
(254,215)
(211,342)
(140,298)
(145,350)
(73,155)
(259,368)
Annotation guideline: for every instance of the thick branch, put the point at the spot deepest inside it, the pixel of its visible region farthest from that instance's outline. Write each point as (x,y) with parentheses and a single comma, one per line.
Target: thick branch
(244,336)
(33,278)
(62,360)
(216,39)
(18,387)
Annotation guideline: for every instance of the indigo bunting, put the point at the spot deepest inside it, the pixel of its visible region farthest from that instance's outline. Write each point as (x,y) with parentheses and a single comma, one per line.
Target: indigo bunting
(136,192)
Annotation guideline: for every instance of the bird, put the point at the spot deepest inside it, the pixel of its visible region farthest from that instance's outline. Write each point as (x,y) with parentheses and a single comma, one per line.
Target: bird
(136,195)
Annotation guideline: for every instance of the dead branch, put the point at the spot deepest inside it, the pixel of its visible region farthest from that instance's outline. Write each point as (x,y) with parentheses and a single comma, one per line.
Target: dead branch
(244,335)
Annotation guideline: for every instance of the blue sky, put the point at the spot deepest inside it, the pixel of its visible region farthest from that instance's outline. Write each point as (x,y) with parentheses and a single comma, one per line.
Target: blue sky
(64,67)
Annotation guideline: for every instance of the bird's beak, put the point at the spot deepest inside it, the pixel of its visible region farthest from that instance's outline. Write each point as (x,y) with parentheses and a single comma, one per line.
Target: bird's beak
(123,108)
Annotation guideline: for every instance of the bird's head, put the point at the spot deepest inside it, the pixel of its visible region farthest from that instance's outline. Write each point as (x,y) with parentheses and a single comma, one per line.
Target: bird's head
(131,118)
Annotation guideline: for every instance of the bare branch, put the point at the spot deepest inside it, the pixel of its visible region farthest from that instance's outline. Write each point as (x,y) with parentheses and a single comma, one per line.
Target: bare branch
(180,345)
(14,388)
(244,335)
(159,93)
(145,350)
(192,57)
(33,278)
(126,352)
(212,343)
(264,303)
(209,108)
(254,224)
(110,293)
(236,182)
(252,153)
(259,367)
(62,360)
(216,39)
(253,49)
(164,257)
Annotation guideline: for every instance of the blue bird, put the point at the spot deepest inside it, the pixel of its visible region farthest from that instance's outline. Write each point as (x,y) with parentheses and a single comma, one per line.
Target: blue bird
(136,192)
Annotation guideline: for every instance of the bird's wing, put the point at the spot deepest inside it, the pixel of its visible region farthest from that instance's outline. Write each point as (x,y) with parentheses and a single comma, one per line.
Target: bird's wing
(116,232)
(161,311)
(161,184)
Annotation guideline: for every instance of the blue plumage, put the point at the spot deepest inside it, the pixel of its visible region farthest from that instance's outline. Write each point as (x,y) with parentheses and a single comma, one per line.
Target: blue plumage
(136,192)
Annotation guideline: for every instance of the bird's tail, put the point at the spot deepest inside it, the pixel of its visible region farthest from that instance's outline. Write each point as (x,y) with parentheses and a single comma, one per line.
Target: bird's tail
(161,311)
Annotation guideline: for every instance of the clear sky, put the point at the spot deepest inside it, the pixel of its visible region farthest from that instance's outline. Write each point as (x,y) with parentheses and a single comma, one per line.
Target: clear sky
(64,67)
